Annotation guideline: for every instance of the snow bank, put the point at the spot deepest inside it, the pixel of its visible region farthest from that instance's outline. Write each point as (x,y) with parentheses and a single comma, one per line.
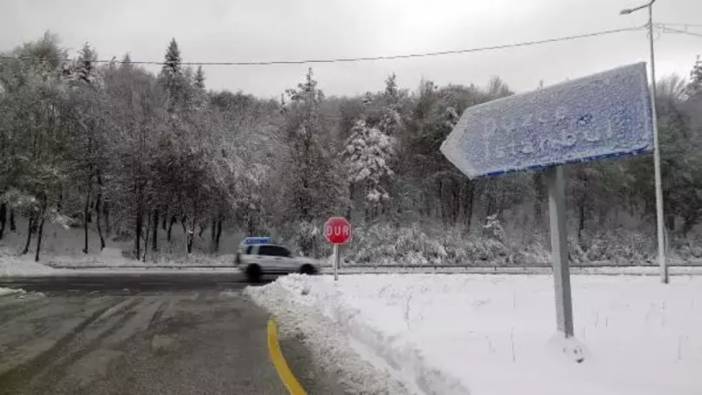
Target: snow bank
(10,291)
(113,257)
(109,261)
(494,334)
(13,265)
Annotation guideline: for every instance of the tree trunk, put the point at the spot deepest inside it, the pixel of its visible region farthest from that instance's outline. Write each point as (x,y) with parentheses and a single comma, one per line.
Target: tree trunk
(147,232)
(106,211)
(539,199)
(213,229)
(13,227)
(137,239)
(98,208)
(219,233)
(3,218)
(86,209)
(250,224)
(669,222)
(40,232)
(154,236)
(468,210)
(191,237)
(164,219)
(30,228)
(170,227)
(185,234)
(581,219)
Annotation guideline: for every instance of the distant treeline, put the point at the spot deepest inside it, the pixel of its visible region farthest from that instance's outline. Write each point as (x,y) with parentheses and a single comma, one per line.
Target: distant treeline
(116,149)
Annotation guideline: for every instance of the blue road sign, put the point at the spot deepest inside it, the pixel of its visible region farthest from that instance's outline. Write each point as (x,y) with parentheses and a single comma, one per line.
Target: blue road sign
(603,115)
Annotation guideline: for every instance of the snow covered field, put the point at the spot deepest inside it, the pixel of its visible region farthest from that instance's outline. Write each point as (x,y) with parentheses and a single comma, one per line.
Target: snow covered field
(495,334)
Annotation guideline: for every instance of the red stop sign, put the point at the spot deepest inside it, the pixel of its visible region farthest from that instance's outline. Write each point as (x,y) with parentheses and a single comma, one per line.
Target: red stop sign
(337,230)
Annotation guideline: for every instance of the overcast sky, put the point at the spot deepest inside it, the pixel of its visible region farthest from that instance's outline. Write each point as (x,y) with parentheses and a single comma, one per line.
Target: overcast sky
(235,30)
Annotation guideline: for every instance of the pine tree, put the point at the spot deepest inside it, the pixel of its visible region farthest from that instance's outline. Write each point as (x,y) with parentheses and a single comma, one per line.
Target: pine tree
(390,119)
(172,62)
(694,87)
(313,186)
(199,78)
(84,69)
(173,79)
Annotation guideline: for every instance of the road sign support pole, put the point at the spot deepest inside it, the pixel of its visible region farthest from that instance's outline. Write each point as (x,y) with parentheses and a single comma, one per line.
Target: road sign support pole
(657,159)
(559,249)
(336,262)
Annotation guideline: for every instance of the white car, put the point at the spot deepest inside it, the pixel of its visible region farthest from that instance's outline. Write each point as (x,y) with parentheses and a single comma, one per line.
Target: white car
(256,260)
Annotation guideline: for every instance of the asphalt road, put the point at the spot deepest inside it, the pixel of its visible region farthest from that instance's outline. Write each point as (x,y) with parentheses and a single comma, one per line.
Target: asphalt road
(141,334)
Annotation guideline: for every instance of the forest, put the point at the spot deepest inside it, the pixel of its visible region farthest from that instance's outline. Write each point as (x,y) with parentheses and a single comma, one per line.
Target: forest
(128,155)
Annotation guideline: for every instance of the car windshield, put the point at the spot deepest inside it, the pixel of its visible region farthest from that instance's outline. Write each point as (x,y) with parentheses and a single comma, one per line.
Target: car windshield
(440,197)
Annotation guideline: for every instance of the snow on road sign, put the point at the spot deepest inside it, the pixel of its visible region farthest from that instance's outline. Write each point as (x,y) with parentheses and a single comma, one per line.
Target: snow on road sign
(602,115)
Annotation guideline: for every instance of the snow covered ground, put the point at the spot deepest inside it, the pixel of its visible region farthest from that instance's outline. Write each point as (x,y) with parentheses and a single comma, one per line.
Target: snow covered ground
(495,334)
(10,291)
(109,261)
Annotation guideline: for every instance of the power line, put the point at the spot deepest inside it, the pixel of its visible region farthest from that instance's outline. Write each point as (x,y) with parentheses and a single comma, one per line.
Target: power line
(667,29)
(680,24)
(376,58)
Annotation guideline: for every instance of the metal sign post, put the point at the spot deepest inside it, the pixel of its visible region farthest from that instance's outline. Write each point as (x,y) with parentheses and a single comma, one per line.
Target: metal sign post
(601,116)
(337,230)
(559,249)
(336,262)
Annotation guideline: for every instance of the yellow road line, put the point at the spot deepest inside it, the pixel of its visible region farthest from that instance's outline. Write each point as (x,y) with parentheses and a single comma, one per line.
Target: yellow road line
(286,376)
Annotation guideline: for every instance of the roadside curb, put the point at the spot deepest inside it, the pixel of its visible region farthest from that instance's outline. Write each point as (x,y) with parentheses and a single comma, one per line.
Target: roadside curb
(281,366)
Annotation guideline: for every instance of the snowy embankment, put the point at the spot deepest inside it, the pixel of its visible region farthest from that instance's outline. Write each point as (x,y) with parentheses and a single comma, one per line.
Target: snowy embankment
(494,334)
(10,291)
(113,258)
(110,260)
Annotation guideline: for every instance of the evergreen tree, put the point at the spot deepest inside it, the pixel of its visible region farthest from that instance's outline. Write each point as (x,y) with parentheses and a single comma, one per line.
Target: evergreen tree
(174,79)
(85,67)
(200,78)
(314,186)
(172,63)
(694,87)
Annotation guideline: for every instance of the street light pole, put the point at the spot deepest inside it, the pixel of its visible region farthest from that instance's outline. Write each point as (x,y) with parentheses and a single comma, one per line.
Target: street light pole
(656,147)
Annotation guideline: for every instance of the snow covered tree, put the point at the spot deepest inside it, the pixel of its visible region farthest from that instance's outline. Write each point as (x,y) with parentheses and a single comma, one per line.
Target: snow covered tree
(88,153)
(367,156)
(174,80)
(313,185)
(390,119)
(33,85)
(199,78)
(694,87)
(84,69)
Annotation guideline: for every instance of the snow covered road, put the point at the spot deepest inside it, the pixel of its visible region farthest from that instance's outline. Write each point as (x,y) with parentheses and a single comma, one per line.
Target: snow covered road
(494,334)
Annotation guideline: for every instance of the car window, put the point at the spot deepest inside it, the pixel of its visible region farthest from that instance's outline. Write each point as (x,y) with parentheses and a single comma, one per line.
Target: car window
(273,251)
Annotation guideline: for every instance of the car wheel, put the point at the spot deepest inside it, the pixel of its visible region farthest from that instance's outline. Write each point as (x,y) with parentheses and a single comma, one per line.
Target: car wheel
(253,273)
(307,269)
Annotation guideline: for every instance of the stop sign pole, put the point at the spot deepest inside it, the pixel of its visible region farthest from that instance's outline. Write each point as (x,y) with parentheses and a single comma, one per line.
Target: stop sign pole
(337,231)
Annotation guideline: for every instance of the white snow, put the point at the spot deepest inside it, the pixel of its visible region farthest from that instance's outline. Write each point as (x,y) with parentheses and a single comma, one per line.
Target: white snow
(10,291)
(495,334)
(109,261)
